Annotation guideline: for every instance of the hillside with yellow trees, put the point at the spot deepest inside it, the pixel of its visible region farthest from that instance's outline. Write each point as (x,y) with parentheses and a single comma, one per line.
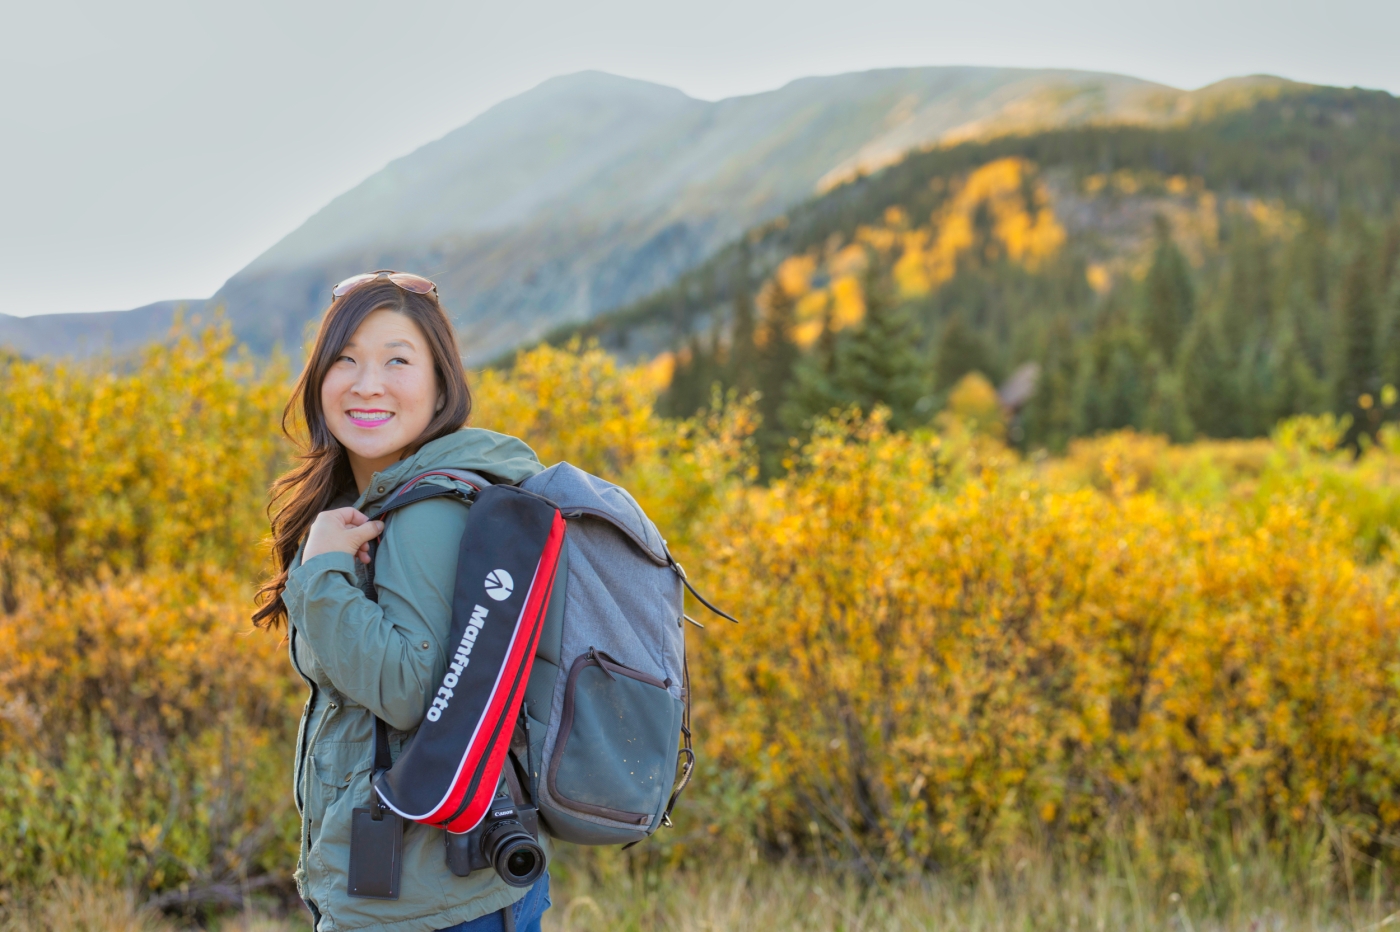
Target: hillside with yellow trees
(952,656)
(1201,280)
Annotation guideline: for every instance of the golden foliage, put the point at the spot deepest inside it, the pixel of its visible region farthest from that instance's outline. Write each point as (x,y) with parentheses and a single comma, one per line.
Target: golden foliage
(946,652)
(146,730)
(935,670)
(165,463)
(1001,209)
(578,405)
(1022,226)
(973,404)
(133,525)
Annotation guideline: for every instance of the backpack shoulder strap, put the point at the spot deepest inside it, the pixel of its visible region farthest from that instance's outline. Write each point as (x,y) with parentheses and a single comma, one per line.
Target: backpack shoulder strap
(411,492)
(422,492)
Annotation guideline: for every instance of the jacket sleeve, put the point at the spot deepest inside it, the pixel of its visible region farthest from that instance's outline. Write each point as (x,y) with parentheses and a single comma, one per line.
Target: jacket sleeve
(387,656)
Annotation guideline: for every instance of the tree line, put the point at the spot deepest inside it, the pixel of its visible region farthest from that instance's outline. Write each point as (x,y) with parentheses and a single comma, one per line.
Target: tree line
(1266,327)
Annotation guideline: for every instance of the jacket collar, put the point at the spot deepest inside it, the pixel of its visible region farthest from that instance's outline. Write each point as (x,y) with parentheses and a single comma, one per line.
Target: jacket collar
(499,457)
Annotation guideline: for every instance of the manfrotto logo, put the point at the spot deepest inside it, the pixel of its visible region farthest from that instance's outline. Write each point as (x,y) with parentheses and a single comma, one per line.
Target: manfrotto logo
(499,585)
(460,659)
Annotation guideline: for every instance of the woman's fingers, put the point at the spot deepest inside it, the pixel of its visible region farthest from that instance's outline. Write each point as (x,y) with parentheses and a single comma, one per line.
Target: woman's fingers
(353,517)
(344,530)
(362,535)
(346,517)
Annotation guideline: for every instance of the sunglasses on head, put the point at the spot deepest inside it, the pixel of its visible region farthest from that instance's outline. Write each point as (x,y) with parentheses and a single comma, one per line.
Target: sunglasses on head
(405,280)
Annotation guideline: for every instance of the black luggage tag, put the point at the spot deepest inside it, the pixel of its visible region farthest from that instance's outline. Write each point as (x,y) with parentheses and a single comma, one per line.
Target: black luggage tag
(376,853)
(376,837)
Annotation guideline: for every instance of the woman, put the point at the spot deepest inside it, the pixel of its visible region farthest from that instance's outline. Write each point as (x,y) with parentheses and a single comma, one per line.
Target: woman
(384,398)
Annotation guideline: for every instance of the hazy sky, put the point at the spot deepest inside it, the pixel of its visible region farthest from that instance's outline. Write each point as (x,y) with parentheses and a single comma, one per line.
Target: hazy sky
(151,149)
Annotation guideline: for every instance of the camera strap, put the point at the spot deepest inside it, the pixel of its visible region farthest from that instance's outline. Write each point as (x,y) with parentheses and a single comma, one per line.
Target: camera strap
(382,759)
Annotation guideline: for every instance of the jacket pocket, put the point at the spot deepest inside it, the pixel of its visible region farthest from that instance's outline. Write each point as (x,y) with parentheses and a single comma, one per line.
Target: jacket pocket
(615,755)
(338,763)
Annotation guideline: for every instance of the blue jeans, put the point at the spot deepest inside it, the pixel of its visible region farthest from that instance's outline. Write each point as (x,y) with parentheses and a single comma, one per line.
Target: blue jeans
(528,910)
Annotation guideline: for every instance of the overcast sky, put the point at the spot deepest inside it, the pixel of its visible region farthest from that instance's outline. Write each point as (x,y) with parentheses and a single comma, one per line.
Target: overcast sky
(151,149)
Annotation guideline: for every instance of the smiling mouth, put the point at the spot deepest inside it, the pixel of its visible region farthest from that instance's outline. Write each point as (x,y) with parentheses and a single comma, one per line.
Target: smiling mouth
(364,418)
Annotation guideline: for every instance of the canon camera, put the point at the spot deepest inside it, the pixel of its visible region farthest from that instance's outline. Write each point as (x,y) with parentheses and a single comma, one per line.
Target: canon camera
(505,840)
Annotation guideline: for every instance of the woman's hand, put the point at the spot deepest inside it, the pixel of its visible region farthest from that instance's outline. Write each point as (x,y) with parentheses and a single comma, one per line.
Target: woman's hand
(344,530)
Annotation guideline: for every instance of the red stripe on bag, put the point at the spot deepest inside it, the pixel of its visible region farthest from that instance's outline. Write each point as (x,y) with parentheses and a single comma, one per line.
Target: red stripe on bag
(504,705)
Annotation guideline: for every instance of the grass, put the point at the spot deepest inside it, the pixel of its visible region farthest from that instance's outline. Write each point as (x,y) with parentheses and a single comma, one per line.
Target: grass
(1028,896)
(78,906)
(594,894)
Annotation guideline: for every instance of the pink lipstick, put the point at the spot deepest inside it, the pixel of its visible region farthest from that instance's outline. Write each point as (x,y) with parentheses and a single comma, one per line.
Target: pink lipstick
(368,417)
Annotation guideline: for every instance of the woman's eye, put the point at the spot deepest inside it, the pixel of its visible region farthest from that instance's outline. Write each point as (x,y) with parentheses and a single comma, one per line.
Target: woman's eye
(344,359)
(398,359)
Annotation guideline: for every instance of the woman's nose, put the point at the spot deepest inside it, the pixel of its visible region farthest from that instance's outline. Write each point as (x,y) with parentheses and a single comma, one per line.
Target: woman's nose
(369,384)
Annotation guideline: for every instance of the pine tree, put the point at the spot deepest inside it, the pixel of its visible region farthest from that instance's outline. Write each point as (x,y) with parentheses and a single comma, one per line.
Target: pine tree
(1358,372)
(1390,333)
(959,352)
(1169,297)
(1248,308)
(1389,294)
(1303,331)
(1307,268)
(1048,419)
(1294,387)
(1166,405)
(778,355)
(880,362)
(1389,260)
(1113,385)
(1245,318)
(697,371)
(1208,381)
(812,393)
(743,349)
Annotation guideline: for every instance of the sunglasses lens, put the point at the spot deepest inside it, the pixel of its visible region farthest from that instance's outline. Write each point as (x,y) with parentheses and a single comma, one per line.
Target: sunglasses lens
(414,283)
(354,281)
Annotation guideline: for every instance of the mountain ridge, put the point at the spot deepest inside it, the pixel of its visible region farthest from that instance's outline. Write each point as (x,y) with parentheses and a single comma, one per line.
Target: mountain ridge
(590,191)
(92,333)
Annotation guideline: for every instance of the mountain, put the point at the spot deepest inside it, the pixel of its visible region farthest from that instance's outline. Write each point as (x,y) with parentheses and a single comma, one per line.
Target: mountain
(591,191)
(1206,276)
(1322,152)
(115,332)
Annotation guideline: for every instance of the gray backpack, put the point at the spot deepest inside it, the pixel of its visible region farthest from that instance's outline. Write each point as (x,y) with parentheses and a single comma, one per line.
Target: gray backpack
(605,722)
(607,708)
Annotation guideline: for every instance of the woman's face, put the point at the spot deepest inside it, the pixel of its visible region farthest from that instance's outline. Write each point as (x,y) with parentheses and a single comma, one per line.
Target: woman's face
(381,392)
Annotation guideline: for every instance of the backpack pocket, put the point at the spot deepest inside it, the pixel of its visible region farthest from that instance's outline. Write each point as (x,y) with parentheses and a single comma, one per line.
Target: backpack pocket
(615,755)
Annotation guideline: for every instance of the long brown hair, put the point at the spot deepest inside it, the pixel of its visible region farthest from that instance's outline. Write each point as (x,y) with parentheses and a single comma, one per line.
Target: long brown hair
(323,469)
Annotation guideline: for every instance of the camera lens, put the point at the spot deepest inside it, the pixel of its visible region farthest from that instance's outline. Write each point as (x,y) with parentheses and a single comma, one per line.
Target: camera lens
(516,856)
(521,862)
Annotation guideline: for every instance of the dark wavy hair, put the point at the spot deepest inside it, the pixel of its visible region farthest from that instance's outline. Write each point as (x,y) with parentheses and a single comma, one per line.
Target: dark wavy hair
(323,468)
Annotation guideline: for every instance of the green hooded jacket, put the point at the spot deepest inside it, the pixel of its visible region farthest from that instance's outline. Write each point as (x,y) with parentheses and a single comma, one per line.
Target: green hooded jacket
(363,659)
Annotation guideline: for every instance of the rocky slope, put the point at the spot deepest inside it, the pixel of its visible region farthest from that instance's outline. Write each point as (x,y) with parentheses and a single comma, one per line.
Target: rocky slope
(592,191)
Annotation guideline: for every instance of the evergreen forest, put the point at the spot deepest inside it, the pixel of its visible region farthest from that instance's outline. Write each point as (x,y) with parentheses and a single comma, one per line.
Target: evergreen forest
(1203,280)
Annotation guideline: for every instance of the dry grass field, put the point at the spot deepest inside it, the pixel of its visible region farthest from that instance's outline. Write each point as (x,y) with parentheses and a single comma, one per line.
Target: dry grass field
(1135,686)
(1032,895)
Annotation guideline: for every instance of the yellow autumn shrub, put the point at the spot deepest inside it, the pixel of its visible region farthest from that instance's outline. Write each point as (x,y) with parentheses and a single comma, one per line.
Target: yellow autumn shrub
(930,673)
(146,736)
(143,726)
(578,405)
(946,651)
(162,462)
